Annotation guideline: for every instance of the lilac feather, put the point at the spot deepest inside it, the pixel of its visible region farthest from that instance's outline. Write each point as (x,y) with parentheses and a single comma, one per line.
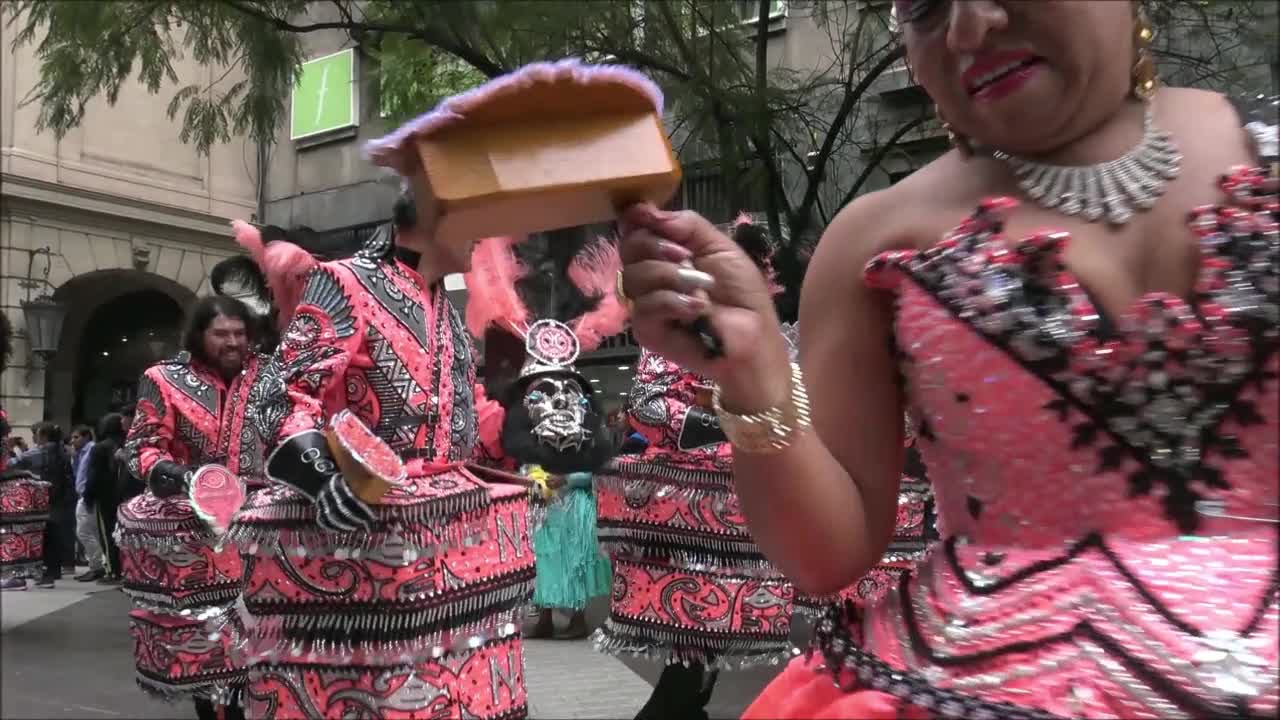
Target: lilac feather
(395,150)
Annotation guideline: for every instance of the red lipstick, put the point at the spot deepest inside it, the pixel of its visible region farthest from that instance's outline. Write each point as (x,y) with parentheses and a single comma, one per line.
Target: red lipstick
(998,74)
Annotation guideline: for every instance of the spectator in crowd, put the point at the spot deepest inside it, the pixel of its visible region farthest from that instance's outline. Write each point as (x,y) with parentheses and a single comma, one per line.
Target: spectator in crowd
(82,444)
(127,485)
(16,447)
(49,461)
(107,481)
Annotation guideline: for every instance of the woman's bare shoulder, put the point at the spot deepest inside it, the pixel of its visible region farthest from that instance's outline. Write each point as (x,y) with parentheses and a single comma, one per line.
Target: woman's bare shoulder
(904,215)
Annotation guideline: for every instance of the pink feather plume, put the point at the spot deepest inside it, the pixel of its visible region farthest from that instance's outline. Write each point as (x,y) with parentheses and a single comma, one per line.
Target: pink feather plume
(492,298)
(595,272)
(284,264)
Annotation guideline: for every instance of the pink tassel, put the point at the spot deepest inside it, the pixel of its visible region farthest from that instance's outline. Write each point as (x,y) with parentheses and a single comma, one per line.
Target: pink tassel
(492,298)
(284,264)
(743,219)
(595,272)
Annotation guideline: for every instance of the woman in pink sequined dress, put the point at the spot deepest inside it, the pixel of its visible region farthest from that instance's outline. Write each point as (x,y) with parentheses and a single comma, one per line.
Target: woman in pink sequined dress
(1091,360)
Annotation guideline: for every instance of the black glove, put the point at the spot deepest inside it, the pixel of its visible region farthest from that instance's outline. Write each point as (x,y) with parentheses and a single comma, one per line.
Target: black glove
(700,428)
(305,463)
(169,478)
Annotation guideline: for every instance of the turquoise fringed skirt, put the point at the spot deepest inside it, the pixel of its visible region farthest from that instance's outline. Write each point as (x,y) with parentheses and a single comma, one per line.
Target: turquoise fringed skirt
(571,569)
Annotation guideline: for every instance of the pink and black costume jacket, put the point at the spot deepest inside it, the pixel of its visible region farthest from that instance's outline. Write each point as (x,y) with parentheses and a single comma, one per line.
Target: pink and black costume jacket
(419,616)
(689,582)
(174,569)
(24,508)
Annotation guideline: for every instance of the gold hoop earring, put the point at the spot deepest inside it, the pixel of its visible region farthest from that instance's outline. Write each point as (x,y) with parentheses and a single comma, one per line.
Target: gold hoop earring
(1145,80)
(958,141)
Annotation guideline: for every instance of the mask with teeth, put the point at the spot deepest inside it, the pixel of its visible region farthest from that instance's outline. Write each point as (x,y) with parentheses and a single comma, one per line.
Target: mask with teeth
(557,408)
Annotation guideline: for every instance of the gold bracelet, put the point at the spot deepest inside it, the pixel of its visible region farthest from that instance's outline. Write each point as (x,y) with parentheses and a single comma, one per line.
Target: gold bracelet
(771,431)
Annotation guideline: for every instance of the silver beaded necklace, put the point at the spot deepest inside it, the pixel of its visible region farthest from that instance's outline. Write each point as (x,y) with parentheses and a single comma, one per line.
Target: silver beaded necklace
(1113,190)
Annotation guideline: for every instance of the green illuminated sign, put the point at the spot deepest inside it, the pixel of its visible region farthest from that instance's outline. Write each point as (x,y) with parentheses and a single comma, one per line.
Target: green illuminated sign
(324,99)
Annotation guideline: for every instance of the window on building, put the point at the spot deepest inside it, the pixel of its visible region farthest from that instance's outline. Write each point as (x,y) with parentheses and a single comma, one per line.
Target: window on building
(748,11)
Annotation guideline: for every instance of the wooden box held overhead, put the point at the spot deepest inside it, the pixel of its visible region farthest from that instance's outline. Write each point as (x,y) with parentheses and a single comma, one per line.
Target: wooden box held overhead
(556,154)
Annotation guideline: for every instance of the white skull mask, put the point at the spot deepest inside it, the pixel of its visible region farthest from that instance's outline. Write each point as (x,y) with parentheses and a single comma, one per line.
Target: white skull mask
(558,409)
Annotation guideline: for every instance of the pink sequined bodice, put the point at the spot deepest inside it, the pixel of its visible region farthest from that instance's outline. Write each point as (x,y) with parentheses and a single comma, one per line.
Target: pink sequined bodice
(1106,487)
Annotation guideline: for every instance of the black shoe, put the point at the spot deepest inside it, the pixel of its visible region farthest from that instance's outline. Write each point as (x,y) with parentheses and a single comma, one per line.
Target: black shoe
(90,576)
(678,694)
(45,582)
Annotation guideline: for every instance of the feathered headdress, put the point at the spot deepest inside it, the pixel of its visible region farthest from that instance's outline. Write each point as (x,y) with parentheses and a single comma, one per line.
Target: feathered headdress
(555,293)
(277,264)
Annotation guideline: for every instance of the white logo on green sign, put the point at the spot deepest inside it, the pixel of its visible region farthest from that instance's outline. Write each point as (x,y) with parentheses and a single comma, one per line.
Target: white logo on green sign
(325,97)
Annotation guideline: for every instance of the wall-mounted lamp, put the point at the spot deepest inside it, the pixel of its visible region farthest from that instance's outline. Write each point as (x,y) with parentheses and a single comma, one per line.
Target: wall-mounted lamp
(44,315)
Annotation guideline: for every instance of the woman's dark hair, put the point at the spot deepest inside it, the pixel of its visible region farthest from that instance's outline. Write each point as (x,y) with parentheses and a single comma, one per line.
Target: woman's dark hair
(202,315)
(48,432)
(753,238)
(111,427)
(83,430)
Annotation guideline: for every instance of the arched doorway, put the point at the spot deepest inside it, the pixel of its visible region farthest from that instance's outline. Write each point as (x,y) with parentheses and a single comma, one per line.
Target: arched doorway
(123,337)
(131,315)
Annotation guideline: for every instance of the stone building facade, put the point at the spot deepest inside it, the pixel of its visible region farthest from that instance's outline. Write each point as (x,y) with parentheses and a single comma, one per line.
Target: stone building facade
(125,220)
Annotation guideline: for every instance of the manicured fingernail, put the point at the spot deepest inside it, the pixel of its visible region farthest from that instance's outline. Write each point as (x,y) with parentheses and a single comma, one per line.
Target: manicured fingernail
(693,303)
(691,279)
(673,252)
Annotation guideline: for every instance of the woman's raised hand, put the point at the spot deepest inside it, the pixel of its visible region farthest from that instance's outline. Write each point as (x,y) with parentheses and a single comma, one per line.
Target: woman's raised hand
(678,267)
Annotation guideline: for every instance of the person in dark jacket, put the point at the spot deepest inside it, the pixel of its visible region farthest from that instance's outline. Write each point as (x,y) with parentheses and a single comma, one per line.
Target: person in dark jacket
(51,462)
(105,487)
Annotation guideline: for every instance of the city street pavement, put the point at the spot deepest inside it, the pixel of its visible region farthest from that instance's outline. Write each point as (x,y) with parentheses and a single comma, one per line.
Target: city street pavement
(66,653)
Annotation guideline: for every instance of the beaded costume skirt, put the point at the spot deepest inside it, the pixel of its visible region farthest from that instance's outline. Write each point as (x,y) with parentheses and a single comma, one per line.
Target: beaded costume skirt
(178,576)
(419,618)
(24,509)
(689,583)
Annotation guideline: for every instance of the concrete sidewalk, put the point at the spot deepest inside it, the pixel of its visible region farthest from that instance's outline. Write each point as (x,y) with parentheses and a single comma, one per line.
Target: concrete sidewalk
(66,653)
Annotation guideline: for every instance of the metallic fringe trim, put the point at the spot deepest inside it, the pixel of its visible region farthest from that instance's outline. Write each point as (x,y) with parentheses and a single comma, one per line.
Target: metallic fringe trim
(217,690)
(664,480)
(388,620)
(25,569)
(671,647)
(8,520)
(659,541)
(165,527)
(265,650)
(429,512)
(166,542)
(268,541)
(191,606)
(709,562)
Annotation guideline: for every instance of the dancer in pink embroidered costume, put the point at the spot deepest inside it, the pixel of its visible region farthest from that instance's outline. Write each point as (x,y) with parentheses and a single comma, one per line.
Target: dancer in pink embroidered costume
(190,414)
(539,305)
(405,608)
(690,586)
(1097,406)
(24,504)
